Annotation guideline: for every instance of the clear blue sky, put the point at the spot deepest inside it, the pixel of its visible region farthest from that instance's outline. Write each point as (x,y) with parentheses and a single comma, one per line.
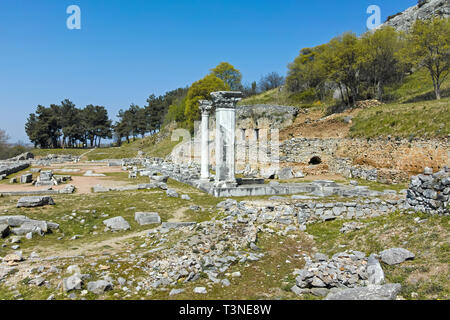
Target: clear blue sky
(128,49)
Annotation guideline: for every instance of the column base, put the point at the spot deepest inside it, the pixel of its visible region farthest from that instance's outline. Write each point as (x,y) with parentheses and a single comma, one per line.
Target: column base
(225,184)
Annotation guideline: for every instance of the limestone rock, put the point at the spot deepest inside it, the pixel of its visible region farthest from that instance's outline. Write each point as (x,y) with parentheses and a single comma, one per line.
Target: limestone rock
(163,179)
(26,178)
(30,202)
(172,193)
(145,218)
(99,287)
(285,174)
(425,9)
(374,271)
(371,292)
(200,290)
(117,224)
(176,291)
(396,256)
(4,230)
(73,282)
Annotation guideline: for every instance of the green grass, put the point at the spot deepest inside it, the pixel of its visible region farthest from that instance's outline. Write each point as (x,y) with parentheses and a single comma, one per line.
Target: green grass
(112,203)
(377,186)
(130,150)
(416,87)
(425,277)
(418,119)
(45,152)
(127,150)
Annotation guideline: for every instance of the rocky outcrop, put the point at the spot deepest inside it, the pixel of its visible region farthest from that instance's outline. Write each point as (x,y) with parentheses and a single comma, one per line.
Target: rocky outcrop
(425,9)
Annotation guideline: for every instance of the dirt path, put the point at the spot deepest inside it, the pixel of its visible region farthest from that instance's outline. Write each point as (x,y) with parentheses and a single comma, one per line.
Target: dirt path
(84,154)
(179,215)
(114,244)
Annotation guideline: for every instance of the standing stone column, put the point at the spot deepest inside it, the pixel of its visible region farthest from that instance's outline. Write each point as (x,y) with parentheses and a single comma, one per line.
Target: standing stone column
(205,107)
(225,105)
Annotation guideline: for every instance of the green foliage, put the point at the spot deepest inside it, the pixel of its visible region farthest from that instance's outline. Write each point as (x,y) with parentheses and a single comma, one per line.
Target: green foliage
(201,90)
(306,72)
(67,126)
(176,112)
(362,67)
(379,60)
(429,47)
(8,151)
(229,74)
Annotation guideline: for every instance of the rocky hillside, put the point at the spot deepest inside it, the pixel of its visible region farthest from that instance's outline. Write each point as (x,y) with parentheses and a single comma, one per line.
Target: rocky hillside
(425,9)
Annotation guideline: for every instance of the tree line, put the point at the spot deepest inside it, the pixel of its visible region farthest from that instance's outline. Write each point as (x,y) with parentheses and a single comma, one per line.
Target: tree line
(8,150)
(362,67)
(66,126)
(357,68)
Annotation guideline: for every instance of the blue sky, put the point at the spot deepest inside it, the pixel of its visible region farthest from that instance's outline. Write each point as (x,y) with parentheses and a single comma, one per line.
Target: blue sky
(129,49)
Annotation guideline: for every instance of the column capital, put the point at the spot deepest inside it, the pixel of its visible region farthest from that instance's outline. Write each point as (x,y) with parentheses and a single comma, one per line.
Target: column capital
(205,106)
(226,99)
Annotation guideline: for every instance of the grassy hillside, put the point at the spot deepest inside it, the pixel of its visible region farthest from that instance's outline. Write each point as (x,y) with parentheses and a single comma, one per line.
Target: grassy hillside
(282,97)
(127,150)
(417,119)
(130,150)
(45,152)
(410,110)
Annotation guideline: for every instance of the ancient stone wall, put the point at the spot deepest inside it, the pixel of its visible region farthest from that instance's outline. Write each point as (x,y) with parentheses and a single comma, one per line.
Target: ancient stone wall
(382,160)
(430,192)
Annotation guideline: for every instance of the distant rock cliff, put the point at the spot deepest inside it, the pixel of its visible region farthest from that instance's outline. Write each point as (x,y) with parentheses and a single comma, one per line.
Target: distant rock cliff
(425,9)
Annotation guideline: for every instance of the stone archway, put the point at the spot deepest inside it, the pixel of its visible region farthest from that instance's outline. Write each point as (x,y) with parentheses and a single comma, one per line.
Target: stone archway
(315,161)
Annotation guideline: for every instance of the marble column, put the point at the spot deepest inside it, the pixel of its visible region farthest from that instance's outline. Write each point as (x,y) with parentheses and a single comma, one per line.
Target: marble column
(225,105)
(205,107)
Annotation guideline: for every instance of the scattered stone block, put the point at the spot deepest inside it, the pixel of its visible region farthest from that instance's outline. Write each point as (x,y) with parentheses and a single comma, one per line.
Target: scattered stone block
(117,224)
(285,174)
(374,271)
(200,290)
(26,178)
(176,291)
(30,202)
(99,287)
(146,218)
(159,178)
(396,256)
(73,282)
(4,230)
(172,193)
(371,292)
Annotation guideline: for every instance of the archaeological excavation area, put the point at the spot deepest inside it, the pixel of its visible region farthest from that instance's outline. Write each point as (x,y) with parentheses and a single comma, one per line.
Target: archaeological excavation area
(318,225)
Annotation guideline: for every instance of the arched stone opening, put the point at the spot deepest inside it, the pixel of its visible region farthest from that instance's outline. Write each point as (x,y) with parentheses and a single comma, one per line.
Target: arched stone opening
(315,161)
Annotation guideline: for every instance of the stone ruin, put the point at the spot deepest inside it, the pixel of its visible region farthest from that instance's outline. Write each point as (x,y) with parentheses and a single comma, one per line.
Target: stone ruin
(46,179)
(430,192)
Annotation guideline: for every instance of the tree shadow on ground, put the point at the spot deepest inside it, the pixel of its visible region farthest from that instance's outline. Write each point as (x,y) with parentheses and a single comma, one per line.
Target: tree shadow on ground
(428,96)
